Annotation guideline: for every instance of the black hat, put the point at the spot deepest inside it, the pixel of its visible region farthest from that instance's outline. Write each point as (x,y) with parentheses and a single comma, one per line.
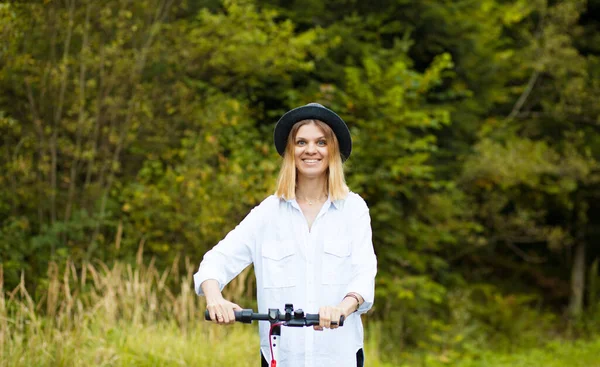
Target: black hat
(313,111)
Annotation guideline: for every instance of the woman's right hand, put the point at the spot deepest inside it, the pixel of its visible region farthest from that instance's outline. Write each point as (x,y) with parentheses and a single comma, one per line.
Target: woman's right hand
(220,309)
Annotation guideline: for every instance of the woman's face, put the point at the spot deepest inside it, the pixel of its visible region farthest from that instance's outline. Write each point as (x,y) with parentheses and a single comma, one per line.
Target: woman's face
(310,151)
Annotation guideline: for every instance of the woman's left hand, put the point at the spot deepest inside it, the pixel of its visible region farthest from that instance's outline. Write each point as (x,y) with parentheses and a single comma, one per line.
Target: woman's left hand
(327,314)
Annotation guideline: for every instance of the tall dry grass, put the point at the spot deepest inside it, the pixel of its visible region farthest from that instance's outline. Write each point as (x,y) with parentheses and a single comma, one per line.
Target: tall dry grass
(95,314)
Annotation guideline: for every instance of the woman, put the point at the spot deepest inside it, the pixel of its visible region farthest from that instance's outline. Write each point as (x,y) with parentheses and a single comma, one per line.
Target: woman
(310,244)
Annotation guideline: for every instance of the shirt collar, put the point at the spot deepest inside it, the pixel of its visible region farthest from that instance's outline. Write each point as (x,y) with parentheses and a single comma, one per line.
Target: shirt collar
(337,204)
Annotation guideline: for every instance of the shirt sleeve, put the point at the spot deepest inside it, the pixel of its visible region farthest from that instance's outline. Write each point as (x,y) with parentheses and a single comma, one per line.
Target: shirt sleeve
(364,261)
(231,255)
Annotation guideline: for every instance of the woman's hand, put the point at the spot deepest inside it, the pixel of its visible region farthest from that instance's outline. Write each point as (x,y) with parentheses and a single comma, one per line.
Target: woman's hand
(327,314)
(220,309)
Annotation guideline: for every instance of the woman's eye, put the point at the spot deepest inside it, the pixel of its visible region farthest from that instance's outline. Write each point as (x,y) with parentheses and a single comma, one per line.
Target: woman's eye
(322,143)
(300,142)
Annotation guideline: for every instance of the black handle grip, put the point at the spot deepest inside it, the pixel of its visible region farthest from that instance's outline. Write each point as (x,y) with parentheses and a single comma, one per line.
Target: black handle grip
(246,316)
(238,315)
(313,319)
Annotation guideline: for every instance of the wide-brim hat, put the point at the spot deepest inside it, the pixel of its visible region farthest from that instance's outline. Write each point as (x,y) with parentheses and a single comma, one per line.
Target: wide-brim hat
(313,111)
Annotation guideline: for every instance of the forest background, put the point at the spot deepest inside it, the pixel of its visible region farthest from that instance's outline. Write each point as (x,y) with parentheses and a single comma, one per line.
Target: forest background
(135,134)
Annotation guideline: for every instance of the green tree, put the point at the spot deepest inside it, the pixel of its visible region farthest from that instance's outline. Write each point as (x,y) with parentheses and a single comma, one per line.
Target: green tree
(540,160)
(114,105)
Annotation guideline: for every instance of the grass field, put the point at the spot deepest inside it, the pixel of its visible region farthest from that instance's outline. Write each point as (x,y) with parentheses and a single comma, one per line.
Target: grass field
(103,344)
(128,316)
(555,354)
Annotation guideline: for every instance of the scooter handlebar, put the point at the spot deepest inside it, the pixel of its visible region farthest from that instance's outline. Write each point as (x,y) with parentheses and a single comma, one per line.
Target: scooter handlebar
(298,318)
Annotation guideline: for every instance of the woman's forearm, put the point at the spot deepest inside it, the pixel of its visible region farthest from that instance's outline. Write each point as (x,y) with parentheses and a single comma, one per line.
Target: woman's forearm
(351,303)
(211,290)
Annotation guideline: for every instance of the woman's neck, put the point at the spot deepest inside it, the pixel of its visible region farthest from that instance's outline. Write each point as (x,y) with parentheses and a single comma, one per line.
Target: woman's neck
(311,188)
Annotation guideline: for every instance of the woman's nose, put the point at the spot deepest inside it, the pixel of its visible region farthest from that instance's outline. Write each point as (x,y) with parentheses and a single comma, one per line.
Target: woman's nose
(311,148)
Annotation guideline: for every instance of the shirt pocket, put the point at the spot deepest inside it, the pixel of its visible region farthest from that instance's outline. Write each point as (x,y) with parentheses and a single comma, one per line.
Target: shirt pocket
(337,261)
(278,269)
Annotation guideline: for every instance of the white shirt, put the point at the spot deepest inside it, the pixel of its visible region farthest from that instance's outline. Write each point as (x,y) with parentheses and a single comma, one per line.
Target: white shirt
(309,269)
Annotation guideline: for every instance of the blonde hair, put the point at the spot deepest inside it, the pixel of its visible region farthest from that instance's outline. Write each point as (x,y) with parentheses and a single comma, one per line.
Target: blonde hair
(336,183)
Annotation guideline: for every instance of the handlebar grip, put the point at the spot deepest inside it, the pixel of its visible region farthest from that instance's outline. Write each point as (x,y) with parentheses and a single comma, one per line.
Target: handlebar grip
(243,316)
(238,315)
(313,319)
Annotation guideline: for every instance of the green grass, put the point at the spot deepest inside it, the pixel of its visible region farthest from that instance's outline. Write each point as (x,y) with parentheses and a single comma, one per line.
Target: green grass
(128,316)
(101,343)
(128,345)
(555,354)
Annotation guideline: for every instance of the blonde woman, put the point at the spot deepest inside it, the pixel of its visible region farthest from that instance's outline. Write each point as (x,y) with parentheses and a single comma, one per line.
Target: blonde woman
(310,244)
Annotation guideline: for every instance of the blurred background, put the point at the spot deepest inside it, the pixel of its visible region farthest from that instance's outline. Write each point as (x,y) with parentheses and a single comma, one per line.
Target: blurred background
(135,134)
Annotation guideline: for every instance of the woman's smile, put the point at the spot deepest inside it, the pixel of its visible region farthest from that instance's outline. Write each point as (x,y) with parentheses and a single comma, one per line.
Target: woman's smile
(311,161)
